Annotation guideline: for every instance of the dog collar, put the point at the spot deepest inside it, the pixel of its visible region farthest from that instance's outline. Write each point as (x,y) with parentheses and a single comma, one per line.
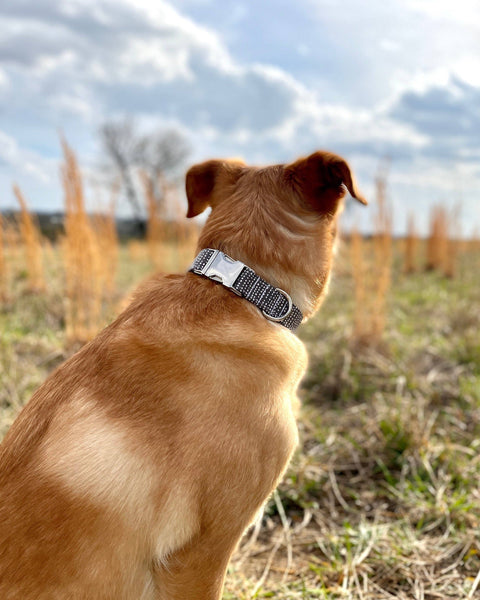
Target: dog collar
(275,304)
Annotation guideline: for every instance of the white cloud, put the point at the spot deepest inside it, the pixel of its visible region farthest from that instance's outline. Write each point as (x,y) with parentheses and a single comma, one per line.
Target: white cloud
(91,59)
(408,84)
(462,12)
(23,160)
(4,81)
(8,149)
(399,43)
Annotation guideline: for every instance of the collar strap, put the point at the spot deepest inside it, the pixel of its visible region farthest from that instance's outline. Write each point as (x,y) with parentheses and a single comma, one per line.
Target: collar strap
(275,304)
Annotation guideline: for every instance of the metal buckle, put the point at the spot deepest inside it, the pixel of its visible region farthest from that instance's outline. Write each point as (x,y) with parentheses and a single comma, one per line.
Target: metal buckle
(289,309)
(221,267)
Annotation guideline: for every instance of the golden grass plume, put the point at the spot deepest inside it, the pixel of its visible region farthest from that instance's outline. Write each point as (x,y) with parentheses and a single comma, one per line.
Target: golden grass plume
(443,242)
(82,254)
(32,245)
(411,247)
(372,274)
(3,266)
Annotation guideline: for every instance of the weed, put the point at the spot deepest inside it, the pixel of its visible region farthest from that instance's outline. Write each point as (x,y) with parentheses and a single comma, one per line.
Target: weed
(32,245)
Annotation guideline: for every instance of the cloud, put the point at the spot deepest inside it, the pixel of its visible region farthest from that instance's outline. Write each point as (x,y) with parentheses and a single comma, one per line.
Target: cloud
(11,155)
(85,61)
(8,149)
(139,57)
(383,86)
(138,42)
(448,115)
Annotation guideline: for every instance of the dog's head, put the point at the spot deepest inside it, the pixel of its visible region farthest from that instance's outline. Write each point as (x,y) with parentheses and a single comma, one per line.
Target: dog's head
(279,220)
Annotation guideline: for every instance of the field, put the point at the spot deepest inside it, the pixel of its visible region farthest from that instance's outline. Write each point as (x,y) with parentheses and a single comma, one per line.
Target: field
(382,499)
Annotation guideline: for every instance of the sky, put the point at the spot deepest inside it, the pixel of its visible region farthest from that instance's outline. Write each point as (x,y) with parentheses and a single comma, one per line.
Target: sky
(265,80)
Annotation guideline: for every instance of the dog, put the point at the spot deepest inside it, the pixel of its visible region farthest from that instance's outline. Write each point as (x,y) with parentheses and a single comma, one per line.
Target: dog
(136,467)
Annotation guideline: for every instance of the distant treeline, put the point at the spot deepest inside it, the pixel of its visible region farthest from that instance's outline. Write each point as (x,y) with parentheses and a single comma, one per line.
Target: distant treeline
(52,224)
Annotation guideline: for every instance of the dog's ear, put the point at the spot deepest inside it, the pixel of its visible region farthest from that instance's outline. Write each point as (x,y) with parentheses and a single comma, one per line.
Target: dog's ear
(205,182)
(320,178)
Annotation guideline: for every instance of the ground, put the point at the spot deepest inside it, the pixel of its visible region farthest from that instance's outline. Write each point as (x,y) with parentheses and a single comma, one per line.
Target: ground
(382,499)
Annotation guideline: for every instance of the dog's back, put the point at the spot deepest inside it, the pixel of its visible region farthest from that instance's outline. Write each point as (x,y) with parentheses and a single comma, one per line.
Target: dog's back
(105,466)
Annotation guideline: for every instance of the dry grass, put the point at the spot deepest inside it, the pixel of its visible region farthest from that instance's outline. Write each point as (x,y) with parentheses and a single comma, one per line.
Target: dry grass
(107,244)
(13,246)
(372,272)
(411,247)
(3,267)
(359,269)
(454,243)
(89,252)
(155,226)
(382,499)
(84,271)
(32,245)
(163,233)
(186,232)
(437,241)
(442,242)
(137,250)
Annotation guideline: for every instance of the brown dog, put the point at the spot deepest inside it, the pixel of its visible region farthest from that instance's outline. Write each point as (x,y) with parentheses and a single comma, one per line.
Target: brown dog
(136,467)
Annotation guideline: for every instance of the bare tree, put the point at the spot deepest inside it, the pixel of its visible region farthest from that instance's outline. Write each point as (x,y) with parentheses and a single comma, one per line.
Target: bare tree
(160,156)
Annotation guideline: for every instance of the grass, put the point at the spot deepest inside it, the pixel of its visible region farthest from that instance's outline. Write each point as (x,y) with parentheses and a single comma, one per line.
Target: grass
(382,499)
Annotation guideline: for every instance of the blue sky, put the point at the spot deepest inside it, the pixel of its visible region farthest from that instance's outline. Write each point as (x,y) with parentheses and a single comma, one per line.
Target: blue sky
(268,81)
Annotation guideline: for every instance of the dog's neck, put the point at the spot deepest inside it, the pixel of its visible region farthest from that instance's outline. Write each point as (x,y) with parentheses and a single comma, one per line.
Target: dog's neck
(306,286)
(305,294)
(274,303)
(288,249)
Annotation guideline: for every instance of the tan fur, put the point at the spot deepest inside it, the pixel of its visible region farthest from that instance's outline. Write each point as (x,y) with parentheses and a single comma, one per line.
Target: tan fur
(134,470)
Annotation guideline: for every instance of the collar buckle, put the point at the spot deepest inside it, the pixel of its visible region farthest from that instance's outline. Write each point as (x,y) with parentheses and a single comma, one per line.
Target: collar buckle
(244,282)
(221,267)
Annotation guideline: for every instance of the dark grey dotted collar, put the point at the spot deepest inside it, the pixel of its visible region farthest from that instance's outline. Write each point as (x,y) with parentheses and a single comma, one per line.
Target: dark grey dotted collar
(275,304)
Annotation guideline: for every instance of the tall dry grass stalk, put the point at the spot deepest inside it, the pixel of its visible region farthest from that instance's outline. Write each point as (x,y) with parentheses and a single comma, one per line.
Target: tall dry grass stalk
(437,241)
(372,274)
(475,239)
(32,244)
(411,247)
(3,266)
(359,267)
(84,274)
(107,240)
(454,243)
(473,247)
(137,250)
(443,242)
(155,226)
(13,241)
(13,250)
(186,233)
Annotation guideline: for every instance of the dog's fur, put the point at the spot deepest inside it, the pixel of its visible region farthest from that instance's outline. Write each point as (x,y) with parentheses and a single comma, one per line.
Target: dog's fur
(135,468)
